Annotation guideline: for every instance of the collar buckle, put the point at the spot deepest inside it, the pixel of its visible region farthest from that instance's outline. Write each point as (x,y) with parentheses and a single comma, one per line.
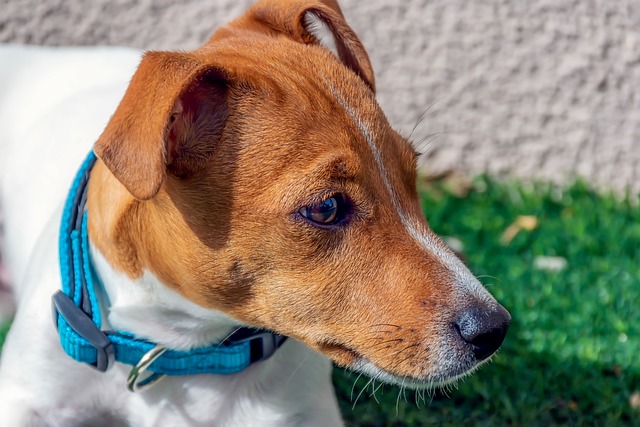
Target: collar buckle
(63,307)
(263,343)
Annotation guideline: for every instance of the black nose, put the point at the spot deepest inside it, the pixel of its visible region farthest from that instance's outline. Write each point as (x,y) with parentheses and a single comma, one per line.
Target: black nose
(483,329)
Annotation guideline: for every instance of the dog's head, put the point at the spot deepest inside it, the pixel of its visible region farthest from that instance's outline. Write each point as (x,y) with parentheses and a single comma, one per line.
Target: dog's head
(263,180)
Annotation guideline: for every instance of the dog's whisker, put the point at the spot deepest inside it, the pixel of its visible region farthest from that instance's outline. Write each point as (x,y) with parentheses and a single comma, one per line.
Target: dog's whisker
(229,336)
(421,394)
(399,363)
(398,398)
(418,121)
(426,113)
(423,145)
(360,394)
(386,324)
(296,370)
(354,385)
(388,341)
(482,276)
(373,393)
(445,391)
(403,349)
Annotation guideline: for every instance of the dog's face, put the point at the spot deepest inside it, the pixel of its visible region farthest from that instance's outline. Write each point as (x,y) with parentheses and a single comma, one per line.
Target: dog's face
(273,189)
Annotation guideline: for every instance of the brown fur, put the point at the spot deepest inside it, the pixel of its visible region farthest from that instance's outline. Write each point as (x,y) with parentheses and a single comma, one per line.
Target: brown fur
(209,205)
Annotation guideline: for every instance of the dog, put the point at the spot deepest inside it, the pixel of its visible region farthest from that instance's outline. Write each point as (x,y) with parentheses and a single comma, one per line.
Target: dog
(246,217)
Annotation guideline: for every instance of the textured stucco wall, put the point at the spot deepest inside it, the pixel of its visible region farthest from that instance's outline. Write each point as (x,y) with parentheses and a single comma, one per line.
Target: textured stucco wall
(538,89)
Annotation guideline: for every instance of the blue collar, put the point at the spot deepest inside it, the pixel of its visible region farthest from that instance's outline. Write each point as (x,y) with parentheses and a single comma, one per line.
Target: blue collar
(77,313)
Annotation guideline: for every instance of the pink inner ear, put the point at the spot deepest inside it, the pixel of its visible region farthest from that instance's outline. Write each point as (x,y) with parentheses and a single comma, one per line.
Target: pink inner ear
(196,123)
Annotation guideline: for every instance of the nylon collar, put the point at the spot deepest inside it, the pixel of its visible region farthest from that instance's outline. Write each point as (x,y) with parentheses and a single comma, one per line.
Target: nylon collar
(76,312)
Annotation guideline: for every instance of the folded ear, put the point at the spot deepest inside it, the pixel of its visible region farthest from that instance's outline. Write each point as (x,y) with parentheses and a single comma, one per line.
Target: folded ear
(319,22)
(170,119)
(330,29)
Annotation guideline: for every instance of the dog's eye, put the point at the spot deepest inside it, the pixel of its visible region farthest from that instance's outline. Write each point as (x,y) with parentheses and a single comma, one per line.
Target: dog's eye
(327,212)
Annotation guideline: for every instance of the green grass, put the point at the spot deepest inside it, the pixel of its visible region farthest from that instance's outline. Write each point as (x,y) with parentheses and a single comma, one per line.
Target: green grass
(4,328)
(572,354)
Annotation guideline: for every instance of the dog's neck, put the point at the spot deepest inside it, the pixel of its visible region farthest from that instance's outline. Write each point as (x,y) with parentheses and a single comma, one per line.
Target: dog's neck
(298,378)
(147,308)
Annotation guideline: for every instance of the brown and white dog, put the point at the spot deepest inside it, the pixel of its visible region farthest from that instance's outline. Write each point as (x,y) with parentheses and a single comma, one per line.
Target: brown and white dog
(253,181)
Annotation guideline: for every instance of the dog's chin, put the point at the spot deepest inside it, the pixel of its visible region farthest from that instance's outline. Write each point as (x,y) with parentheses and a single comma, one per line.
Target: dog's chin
(429,382)
(354,361)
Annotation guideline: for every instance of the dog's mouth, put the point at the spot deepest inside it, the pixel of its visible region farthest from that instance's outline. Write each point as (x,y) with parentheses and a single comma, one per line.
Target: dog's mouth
(351,359)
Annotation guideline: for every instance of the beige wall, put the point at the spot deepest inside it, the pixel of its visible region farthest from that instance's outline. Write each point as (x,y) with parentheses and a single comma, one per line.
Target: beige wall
(531,88)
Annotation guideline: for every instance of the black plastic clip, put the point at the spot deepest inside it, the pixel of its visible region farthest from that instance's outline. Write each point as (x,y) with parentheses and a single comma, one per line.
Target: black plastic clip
(262,343)
(82,324)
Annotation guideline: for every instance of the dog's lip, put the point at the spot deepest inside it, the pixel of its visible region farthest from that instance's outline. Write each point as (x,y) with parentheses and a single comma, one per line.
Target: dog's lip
(367,367)
(362,364)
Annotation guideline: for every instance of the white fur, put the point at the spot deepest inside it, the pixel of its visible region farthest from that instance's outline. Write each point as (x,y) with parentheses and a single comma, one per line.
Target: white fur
(151,309)
(53,105)
(321,32)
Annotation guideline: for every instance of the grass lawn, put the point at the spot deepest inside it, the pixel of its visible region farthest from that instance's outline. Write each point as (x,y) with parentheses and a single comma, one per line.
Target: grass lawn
(572,354)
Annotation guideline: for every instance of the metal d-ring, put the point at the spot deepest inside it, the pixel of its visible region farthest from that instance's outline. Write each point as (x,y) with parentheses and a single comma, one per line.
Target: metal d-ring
(134,382)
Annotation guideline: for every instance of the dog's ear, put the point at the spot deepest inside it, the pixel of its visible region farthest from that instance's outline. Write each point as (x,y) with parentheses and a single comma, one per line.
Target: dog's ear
(319,22)
(170,119)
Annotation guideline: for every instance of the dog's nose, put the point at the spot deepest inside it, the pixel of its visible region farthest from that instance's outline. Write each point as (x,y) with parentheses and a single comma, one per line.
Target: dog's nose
(484,330)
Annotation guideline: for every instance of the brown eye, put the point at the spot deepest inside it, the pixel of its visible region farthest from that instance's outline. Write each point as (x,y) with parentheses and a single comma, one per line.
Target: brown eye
(324,213)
